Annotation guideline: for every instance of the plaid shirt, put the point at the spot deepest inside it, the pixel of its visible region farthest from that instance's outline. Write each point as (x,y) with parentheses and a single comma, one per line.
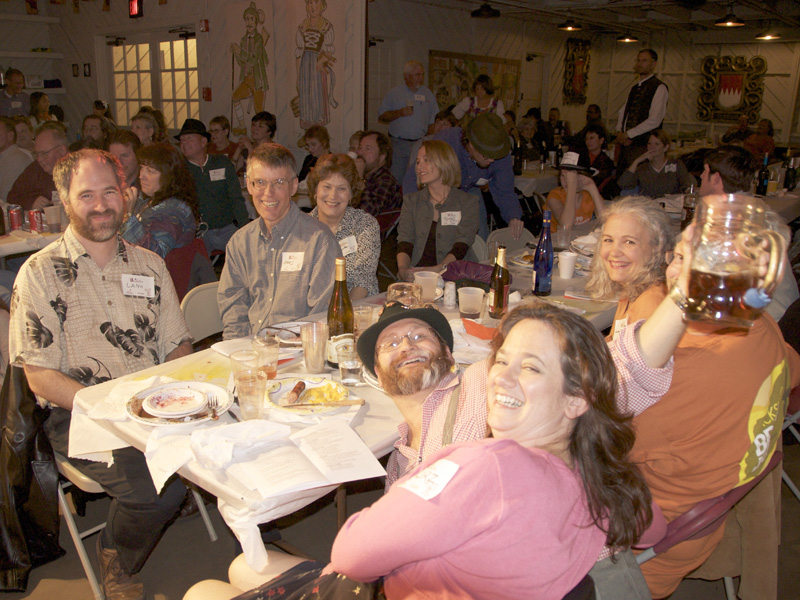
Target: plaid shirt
(381,193)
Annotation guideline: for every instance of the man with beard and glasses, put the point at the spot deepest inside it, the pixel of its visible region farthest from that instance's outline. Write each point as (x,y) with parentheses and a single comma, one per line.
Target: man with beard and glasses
(90,308)
(410,352)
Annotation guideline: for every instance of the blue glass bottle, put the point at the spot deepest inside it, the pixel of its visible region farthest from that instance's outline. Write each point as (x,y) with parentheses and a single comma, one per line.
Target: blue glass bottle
(543,260)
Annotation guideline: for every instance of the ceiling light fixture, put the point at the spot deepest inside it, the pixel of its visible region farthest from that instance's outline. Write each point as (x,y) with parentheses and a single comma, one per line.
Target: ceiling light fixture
(729,20)
(485,12)
(569,25)
(769,34)
(627,38)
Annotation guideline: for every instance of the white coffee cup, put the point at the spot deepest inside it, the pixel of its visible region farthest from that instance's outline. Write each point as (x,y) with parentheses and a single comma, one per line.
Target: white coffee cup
(566,264)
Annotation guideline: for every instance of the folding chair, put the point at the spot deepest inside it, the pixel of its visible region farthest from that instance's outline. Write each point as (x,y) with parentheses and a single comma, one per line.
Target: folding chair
(73,477)
(791,423)
(705,517)
(503,236)
(201,311)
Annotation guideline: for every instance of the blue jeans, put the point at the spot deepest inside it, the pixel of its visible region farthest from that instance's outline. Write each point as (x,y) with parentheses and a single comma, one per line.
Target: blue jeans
(217,239)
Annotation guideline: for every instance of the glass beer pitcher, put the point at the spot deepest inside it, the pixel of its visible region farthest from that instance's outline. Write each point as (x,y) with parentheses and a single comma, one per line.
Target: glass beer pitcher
(728,240)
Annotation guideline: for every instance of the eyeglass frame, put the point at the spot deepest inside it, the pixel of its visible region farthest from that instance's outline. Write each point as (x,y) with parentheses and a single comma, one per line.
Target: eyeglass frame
(430,334)
(37,155)
(280,184)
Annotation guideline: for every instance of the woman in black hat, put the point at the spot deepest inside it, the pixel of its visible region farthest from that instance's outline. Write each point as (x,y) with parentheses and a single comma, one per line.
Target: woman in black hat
(577,200)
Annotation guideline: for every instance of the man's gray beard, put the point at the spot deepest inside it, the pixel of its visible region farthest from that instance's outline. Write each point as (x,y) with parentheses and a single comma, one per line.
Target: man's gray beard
(395,384)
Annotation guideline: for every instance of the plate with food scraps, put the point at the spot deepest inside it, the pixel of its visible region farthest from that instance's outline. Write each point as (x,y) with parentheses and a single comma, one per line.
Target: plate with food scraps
(523,260)
(313,395)
(136,410)
(174,400)
(287,333)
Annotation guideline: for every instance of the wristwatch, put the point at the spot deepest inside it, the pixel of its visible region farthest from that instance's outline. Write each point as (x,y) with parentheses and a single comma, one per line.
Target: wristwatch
(679,298)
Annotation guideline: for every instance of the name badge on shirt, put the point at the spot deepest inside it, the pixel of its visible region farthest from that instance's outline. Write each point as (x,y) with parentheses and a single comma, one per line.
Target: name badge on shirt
(348,245)
(673,168)
(139,286)
(291,261)
(451,217)
(429,483)
(482,181)
(216,174)
(419,98)
(16,105)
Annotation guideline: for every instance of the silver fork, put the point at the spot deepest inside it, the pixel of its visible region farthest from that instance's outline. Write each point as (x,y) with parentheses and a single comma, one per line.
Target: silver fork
(213,404)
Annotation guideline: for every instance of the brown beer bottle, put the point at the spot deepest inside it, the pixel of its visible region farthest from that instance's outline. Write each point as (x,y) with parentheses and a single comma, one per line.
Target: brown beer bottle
(340,315)
(498,286)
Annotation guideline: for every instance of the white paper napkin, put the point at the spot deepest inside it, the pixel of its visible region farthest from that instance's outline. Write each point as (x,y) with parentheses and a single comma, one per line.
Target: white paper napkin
(467,349)
(113,407)
(217,447)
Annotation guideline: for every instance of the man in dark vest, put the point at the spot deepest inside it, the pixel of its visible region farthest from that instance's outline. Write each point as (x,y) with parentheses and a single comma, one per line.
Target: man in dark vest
(643,112)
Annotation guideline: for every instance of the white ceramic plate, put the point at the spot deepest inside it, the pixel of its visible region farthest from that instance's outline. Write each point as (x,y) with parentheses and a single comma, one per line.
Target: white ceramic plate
(174,400)
(288,333)
(518,261)
(137,413)
(278,389)
(370,379)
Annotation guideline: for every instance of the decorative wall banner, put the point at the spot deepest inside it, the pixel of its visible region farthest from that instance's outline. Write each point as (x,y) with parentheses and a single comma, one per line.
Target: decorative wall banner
(316,80)
(450,76)
(576,71)
(731,86)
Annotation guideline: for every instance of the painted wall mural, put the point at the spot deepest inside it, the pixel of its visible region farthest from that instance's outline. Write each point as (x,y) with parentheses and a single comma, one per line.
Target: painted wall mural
(316,80)
(450,77)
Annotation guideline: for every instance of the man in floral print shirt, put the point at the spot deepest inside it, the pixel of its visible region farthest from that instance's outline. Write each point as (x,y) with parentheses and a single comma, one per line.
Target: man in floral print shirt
(87,309)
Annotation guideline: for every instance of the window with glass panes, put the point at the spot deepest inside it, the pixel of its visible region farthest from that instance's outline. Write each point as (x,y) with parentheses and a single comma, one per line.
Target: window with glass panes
(169,82)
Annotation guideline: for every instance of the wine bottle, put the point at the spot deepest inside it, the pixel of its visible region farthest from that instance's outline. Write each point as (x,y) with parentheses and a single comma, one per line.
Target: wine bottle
(543,260)
(516,152)
(497,302)
(790,180)
(340,315)
(762,182)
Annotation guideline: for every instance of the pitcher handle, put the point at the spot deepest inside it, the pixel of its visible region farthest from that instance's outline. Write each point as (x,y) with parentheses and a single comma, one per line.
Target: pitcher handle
(777,250)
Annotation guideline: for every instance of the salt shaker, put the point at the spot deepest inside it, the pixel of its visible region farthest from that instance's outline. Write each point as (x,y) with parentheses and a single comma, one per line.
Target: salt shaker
(450,294)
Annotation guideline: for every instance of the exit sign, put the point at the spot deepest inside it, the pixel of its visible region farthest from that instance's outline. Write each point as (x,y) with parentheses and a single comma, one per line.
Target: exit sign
(135,8)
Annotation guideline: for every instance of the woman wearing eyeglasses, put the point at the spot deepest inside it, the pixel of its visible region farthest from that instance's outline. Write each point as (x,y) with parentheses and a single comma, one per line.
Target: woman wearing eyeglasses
(165,215)
(334,183)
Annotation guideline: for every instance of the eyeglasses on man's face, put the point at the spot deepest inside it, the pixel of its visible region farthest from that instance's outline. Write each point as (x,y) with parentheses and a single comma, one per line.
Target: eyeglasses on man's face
(44,153)
(278,185)
(415,336)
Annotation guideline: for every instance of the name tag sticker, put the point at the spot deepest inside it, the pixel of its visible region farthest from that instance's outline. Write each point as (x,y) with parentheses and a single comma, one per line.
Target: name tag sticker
(419,98)
(217,174)
(139,286)
(673,168)
(452,217)
(348,245)
(482,181)
(16,105)
(429,483)
(291,261)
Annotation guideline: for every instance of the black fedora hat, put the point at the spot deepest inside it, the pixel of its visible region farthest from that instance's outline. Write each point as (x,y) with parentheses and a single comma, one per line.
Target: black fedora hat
(397,312)
(193,126)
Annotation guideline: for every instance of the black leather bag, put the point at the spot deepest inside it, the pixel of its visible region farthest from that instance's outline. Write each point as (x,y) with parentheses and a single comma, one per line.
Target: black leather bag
(28,485)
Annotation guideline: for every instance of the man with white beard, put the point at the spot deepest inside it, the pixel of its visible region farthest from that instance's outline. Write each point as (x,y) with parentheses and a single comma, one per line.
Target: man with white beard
(409,351)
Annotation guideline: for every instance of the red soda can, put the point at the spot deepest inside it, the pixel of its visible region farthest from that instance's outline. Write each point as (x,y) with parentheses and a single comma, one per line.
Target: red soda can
(14,217)
(36,220)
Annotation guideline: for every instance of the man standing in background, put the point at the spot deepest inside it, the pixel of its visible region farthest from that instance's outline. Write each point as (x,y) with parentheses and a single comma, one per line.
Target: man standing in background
(643,112)
(410,110)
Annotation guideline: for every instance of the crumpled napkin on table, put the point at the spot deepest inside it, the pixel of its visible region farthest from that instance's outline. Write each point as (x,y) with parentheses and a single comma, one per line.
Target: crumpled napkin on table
(217,447)
(113,407)
(467,349)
